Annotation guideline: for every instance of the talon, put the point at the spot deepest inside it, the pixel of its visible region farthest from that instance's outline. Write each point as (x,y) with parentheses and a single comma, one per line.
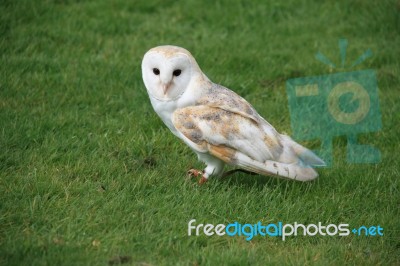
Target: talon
(202,180)
(194,173)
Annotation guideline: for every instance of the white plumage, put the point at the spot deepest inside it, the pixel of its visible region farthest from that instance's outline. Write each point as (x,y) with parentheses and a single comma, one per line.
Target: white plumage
(216,123)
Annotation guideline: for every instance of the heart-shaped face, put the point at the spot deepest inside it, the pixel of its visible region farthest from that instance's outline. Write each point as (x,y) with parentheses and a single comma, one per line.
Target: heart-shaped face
(167,72)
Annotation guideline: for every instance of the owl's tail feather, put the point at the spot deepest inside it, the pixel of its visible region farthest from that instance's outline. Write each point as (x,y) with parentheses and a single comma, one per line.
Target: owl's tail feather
(294,171)
(306,156)
(283,170)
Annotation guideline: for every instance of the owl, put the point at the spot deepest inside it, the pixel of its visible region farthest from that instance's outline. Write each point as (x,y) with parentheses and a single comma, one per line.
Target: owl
(220,126)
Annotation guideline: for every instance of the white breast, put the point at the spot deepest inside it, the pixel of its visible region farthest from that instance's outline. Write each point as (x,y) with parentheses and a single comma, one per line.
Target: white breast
(165,111)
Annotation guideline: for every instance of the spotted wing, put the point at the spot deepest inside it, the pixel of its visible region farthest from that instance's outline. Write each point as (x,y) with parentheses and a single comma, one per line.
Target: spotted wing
(236,139)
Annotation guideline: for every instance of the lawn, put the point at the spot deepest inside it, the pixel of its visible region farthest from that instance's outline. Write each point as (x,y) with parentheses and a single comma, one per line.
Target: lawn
(89,175)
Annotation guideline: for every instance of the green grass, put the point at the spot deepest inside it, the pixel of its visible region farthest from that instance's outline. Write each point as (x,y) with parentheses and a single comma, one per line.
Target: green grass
(88,172)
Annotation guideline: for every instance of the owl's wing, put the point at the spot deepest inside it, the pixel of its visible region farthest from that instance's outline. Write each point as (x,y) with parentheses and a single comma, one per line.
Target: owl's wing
(240,140)
(223,98)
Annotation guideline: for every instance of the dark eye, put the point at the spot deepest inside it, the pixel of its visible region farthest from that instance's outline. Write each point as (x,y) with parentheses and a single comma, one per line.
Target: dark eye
(156,71)
(177,72)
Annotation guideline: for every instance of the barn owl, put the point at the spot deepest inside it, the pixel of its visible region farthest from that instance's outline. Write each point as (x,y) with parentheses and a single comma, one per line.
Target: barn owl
(220,126)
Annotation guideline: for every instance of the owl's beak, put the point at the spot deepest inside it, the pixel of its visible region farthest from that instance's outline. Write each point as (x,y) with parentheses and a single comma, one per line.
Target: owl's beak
(165,87)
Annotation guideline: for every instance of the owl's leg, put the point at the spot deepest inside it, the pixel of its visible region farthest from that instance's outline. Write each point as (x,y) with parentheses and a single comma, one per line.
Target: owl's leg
(214,167)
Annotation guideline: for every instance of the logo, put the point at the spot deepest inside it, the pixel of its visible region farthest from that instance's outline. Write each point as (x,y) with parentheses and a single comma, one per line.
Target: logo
(327,106)
(279,229)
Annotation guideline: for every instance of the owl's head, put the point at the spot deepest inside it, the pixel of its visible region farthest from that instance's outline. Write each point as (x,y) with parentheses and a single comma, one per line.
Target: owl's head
(167,71)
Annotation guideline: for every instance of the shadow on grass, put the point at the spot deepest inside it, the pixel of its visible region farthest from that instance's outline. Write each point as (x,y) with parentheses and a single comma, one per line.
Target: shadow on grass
(260,182)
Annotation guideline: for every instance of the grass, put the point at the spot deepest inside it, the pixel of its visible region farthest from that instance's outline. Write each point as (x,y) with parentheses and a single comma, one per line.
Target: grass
(90,175)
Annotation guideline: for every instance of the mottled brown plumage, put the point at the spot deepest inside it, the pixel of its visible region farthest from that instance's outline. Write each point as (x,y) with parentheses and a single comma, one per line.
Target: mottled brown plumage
(219,125)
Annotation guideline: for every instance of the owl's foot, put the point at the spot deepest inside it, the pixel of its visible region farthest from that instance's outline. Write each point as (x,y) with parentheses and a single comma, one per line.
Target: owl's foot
(193,173)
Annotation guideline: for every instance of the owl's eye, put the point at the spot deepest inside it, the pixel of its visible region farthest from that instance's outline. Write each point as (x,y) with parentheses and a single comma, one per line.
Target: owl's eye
(177,72)
(156,71)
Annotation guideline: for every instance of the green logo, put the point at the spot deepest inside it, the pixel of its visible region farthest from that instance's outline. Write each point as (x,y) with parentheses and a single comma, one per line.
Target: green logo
(346,103)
